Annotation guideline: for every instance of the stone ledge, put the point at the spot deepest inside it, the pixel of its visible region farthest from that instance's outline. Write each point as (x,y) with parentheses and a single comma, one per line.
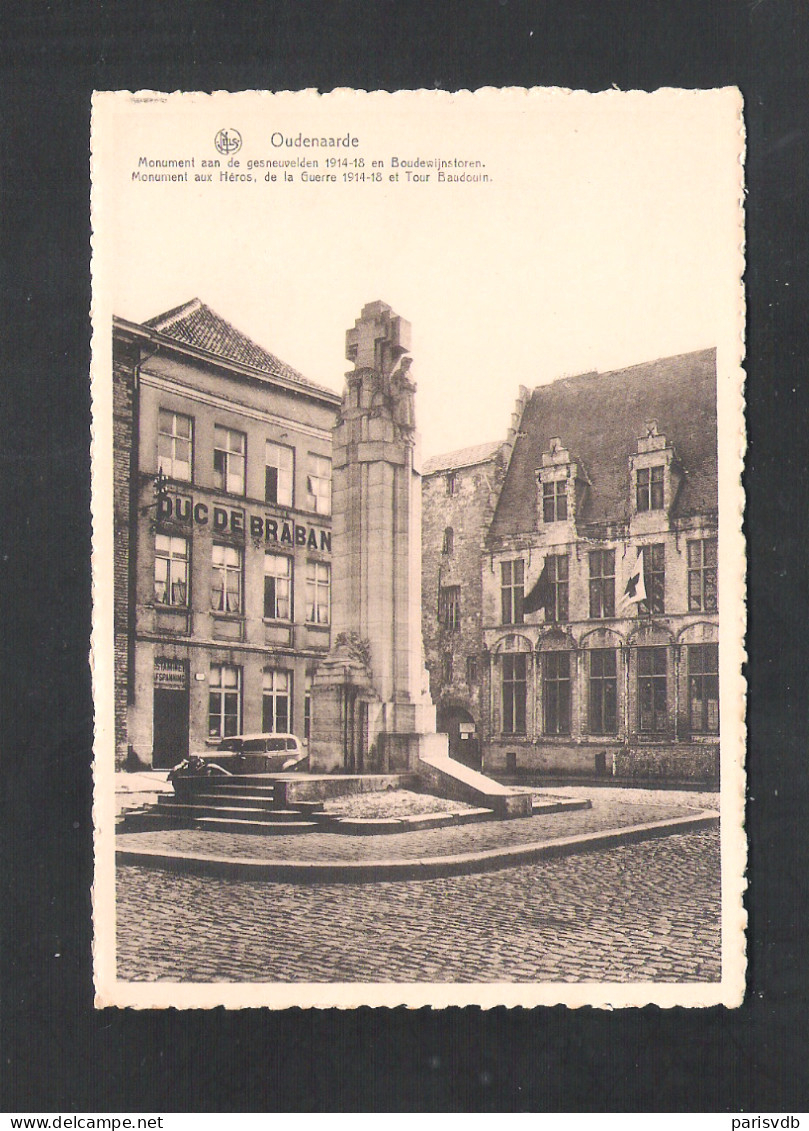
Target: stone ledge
(414,822)
(320,787)
(453,779)
(371,871)
(543,808)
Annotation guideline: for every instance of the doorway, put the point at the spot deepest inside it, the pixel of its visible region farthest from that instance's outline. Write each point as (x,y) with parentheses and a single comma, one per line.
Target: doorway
(170,719)
(459,726)
(170,728)
(355,730)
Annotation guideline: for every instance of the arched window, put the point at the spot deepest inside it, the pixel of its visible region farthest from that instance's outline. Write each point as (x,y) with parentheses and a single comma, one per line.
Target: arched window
(556,692)
(514,692)
(513,652)
(449,541)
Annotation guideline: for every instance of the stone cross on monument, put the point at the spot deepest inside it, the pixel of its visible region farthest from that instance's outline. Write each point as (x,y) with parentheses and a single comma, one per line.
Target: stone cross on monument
(371,709)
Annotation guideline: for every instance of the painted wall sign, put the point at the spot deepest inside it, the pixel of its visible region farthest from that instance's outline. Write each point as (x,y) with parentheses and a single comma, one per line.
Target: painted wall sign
(170,673)
(234,520)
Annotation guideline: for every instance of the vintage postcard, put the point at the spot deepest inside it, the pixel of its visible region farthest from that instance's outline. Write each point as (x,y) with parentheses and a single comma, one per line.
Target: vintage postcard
(418,561)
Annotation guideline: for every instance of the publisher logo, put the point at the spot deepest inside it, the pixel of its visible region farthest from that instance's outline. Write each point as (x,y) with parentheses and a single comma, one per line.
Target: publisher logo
(228,142)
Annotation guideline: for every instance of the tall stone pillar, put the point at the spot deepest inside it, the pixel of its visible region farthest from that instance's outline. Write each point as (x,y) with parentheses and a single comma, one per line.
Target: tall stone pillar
(370,695)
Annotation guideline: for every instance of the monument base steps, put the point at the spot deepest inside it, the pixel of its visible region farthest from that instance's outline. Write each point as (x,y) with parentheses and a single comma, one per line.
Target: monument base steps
(445,776)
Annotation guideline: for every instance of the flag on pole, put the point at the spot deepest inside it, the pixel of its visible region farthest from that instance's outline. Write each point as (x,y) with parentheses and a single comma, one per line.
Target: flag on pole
(635,590)
(541,596)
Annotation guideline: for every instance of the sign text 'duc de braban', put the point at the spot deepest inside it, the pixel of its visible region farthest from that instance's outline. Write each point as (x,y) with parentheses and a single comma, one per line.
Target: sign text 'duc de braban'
(232,520)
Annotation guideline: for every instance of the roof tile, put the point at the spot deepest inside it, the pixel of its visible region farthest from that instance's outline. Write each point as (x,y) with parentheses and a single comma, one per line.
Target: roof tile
(198,325)
(598,418)
(463,457)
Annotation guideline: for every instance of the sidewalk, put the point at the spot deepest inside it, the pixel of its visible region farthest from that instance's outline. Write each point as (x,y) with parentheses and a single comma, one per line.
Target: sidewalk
(134,790)
(617,816)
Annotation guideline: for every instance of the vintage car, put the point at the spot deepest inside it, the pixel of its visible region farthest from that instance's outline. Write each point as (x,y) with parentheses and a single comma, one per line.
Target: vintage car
(260,754)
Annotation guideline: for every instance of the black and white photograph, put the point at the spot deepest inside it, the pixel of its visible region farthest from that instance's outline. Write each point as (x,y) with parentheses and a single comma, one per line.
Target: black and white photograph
(418,566)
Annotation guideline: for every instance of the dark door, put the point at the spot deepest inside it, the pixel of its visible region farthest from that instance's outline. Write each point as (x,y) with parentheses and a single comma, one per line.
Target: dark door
(464,745)
(170,727)
(362,727)
(349,744)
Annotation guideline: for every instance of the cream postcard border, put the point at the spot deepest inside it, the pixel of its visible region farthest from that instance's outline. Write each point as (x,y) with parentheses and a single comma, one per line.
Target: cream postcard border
(729,991)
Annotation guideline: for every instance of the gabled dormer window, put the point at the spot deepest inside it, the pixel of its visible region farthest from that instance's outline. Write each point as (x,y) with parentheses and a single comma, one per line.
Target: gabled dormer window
(554,501)
(655,475)
(560,483)
(649,488)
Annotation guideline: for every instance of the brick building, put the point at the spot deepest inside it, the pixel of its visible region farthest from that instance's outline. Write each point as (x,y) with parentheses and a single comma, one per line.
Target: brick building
(599,614)
(222,511)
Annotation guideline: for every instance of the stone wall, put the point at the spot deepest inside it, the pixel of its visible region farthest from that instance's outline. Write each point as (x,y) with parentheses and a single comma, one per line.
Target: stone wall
(696,763)
(467,513)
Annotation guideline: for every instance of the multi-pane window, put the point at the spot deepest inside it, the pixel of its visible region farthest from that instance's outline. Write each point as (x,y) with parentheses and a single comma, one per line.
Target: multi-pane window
(512,582)
(603,691)
(318,484)
(652,689)
(224,701)
(649,493)
(170,570)
(602,583)
(229,452)
(558,573)
(277,587)
(654,572)
(276,702)
(318,584)
(702,576)
(226,579)
(514,693)
(449,541)
(279,472)
(703,688)
(556,692)
(175,442)
(307,707)
(554,501)
(449,606)
(471,670)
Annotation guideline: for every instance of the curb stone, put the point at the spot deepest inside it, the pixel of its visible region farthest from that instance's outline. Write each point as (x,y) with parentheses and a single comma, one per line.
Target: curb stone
(374,871)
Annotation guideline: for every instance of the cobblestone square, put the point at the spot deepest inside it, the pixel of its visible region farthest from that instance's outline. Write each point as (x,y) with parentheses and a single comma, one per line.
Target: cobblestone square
(633,913)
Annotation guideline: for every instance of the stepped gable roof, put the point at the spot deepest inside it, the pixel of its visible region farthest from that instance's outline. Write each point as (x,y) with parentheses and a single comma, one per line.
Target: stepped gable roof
(599,418)
(463,457)
(198,325)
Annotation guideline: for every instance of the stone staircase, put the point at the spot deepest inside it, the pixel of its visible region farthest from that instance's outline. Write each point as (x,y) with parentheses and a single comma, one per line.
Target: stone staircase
(240,804)
(269,804)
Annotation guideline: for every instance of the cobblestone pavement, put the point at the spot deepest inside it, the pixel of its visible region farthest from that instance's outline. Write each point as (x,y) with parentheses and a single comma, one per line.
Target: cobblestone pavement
(642,912)
(612,808)
(392,803)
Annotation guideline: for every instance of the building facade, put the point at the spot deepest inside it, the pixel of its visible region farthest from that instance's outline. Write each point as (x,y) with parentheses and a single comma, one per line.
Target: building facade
(599,616)
(569,573)
(459,495)
(222,500)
